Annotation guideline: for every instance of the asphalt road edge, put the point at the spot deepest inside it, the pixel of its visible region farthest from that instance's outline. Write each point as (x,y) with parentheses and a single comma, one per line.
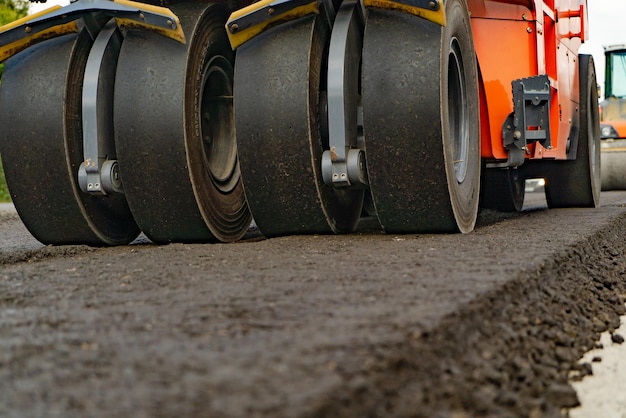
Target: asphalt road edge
(509,352)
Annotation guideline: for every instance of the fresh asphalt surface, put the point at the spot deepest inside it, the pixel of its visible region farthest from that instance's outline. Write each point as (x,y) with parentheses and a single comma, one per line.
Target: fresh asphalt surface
(490,323)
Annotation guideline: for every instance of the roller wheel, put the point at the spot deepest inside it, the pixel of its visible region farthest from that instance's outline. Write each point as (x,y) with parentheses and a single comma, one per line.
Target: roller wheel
(175,131)
(576,183)
(278,81)
(613,163)
(502,189)
(41,147)
(420,120)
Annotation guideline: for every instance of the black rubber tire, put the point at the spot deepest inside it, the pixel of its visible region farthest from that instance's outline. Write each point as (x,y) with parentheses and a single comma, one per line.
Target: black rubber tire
(502,189)
(421,121)
(42,149)
(577,183)
(613,173)
(176,149)
(278,80)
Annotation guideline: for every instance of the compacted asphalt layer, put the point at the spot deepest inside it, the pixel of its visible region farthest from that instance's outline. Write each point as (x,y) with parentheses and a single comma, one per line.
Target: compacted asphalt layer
(490,323)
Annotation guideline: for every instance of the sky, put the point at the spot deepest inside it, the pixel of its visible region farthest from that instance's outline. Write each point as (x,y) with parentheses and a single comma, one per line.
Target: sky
(607,26)
(37,7)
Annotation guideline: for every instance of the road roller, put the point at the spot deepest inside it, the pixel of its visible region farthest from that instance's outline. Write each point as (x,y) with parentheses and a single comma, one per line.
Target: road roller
(613,119)
(187,121)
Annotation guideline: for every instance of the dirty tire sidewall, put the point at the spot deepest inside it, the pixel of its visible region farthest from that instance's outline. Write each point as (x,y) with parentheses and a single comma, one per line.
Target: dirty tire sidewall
(460,114)
(577,183)
(214,169)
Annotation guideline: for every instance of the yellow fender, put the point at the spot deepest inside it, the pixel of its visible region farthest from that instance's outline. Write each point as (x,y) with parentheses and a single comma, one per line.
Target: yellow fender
(57,21)
(265,14)
(435,16)
(244,24)
(10,49)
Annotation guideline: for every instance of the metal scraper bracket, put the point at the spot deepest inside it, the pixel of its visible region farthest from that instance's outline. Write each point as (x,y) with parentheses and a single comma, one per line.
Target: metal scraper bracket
(99,173)
(344,163)
(530,120)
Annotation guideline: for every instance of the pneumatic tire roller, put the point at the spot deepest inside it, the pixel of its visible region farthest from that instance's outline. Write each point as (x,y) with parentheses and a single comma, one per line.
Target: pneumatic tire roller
(124,91)
(187,121)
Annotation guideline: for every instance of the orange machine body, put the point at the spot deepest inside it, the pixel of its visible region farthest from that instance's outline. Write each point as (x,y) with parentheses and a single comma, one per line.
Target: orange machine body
(515,39)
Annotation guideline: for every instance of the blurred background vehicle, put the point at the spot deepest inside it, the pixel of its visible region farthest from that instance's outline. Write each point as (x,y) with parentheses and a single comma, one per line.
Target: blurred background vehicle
(613,119)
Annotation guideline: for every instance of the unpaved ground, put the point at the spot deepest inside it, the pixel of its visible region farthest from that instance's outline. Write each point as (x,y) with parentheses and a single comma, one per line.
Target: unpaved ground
(484,324)
(601,394)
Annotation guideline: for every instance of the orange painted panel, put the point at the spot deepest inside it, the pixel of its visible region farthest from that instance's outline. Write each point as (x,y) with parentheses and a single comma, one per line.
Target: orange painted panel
(513,41)
(505,52)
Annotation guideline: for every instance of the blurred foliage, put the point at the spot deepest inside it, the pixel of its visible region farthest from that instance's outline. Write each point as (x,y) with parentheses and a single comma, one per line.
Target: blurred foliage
(4,190)
(10,10)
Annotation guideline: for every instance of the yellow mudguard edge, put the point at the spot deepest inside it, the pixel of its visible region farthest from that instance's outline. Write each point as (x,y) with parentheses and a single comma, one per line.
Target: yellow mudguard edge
(438,17)
(176,34)
(13,48)
(7,51)
(239,37)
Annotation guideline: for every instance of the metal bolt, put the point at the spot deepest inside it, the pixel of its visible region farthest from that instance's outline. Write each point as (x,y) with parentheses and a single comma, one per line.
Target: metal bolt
(141,16)
(234,28)
(529,30)
(433,5)
(517,134)
(170,23)
(28,29)
(271,11)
